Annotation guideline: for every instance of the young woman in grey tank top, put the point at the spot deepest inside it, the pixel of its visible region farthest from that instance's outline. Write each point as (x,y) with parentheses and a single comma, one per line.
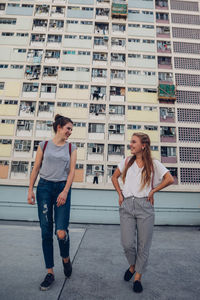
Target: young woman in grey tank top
(55,162)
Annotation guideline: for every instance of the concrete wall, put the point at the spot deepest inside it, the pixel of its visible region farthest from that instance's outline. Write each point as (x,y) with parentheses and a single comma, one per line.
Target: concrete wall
(76,94)
(100,206)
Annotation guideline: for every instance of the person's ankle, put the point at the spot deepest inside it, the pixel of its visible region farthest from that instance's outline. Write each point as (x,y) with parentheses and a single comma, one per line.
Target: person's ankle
(66,260)
(132,269)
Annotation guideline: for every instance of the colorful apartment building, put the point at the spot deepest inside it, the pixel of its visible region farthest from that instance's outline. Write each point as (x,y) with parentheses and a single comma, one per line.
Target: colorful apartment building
(114,67)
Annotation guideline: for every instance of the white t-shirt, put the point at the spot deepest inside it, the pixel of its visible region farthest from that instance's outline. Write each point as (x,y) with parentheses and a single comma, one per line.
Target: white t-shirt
(132,183)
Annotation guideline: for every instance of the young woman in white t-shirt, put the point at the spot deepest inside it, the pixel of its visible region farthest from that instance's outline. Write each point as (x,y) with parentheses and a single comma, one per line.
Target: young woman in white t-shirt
(142,177)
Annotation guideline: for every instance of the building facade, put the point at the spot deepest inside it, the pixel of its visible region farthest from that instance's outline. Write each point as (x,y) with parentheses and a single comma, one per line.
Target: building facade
(114,67)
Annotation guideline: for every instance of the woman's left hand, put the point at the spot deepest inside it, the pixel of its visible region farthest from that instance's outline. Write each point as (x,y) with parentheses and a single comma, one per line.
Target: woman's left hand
(62,198)
(150,197)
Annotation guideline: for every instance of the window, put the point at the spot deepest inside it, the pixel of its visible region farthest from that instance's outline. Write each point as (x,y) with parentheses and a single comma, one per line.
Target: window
(81,86)
(8,21)
(64,104)
(16,66)
(65,86)
(2,84)
(134,127)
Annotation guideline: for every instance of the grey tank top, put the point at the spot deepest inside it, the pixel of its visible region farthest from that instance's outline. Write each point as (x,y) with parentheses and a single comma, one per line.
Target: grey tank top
(56,161)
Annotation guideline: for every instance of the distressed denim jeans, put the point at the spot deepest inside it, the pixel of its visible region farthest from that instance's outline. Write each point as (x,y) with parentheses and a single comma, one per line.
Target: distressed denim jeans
(47,193)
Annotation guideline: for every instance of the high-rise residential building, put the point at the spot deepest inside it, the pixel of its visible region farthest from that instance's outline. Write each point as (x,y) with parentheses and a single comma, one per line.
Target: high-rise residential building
(114,67)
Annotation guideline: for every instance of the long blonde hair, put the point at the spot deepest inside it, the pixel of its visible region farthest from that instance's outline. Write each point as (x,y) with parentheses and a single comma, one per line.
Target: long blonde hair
(146,158)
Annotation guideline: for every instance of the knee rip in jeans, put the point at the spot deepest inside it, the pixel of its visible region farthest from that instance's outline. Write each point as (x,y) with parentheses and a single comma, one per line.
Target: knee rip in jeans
(62,235)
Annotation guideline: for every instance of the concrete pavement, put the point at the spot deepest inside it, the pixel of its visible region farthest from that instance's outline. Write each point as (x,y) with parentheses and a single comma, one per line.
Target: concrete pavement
(99,264)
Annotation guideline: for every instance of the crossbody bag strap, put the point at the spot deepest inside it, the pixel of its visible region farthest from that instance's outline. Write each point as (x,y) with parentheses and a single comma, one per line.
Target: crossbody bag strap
(45,145)
(70,149)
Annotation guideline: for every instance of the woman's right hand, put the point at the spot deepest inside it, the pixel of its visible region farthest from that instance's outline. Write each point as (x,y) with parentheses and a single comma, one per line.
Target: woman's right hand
(31,198)
(121,199)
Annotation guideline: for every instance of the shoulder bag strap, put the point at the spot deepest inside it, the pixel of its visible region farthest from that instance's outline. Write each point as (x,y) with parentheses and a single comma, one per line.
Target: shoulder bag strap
(152,179)
(70,149)
(45,145)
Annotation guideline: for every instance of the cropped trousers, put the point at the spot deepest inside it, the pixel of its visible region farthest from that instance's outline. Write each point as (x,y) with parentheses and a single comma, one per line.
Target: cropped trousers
(136,225)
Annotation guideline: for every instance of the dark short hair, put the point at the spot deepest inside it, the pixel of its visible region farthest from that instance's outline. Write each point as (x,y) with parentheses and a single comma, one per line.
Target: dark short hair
(60,120)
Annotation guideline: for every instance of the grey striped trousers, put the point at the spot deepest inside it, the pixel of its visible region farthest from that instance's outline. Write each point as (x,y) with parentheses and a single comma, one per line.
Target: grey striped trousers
(136,216)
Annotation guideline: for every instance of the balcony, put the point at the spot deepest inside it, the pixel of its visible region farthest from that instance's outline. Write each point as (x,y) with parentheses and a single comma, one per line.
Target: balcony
(46,109)
(97,111)
(101,43)
(34,56)
(162,18)
(27,109)
(161,5)
(43,129)
(58,11)
(54,40)
(42,10)
(101,28)
(118,29)
(118,60)
(117,94)
(167,114)
(164,46)
(168,134)
(103,3)
(165,79)
(48,91)
(116,112)
(52,56)
(116,132)
(95,152)
(164,62)
(32,72)
(22,148)
(118,44)
(115,152)
(96,131)
(50,73)
(100,59)
(163,31)
(24,128)
(98,93)
(19,170)
(102,13)
(166,92)
(168,154)
(94,174)
(39,25)
(37,40)
(117,76)
(30,90)
(119,9)
(99,75)
(56,25)
(174,173)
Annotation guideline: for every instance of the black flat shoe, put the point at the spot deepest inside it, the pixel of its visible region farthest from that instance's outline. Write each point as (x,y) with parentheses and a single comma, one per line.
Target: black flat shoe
(128,275)
(137,286)
(67,268)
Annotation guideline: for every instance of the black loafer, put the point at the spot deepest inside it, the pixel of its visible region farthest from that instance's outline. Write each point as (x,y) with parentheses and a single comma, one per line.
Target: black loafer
(67,268)
(137,286)
(128,275)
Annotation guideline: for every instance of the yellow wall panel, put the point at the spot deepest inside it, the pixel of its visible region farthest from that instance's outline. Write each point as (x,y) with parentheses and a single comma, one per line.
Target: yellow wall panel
(79,175)
(7,129)
(12,88)
(81,153)
(142,116)
(153,134)
(142,97)
(79,133)
(72,112)
(76,94)
(8,110)
(5,150)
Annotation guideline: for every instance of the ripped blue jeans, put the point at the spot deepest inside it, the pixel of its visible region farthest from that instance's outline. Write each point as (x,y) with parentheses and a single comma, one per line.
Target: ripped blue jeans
(47,193)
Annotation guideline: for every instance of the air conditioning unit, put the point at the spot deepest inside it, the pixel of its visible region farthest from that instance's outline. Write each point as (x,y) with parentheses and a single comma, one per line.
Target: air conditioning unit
(112,110)
(97,168)
(112,127)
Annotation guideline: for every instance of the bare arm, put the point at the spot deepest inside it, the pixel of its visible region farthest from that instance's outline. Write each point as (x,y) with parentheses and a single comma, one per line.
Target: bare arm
(167,180)
(63,195)
(34,174)
(115,182)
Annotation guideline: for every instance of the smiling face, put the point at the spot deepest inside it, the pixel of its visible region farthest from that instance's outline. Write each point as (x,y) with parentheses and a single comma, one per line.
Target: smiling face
(136,146)
(65,131)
